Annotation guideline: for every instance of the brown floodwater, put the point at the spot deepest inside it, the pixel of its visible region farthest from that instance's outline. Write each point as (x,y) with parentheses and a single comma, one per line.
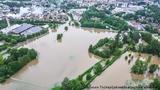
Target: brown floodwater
(115,75)
(57,59)
(120,72)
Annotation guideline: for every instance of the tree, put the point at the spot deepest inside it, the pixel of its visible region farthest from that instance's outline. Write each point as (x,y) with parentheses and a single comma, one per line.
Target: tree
(66,84)
(72,84)
(1,59)
(59,36)
(155,84)
(3,70)
(88,76)
(90,48)
(147,37)
(98,69)
(66,28)
(15,66)
(139,68)
(32,54)
(153,68)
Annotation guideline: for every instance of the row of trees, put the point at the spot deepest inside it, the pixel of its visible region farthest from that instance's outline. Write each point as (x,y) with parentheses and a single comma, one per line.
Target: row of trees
(53,25)
(11,39)
(100,43)
(153,46)
(17,59)
(111,47)
(31,21)
(151,29)
(151,13)
(141,67)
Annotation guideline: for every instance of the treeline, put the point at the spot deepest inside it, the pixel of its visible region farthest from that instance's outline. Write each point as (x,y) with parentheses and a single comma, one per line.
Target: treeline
(30,21)
(15,61)
(98,19)
(151,13)
(11,40)
(153,46)
(133,37)
(53,25)
(110,47)
(151,29)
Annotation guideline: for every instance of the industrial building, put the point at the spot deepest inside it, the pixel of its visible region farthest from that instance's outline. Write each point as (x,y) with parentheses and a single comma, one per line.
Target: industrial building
(23,29)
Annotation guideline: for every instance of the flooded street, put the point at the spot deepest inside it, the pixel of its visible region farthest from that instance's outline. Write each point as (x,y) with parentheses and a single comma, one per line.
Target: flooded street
(57,60)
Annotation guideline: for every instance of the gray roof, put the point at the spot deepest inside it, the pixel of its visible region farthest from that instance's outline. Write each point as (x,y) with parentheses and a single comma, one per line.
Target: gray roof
(31,31)
(21,28)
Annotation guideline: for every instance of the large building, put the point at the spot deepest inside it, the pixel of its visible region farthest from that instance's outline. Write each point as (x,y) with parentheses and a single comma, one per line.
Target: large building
(8,29)
(23,29)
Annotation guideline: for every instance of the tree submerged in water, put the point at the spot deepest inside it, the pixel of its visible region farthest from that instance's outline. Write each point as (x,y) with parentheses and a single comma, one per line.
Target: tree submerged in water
(66,28)
(59,36)
(139,68)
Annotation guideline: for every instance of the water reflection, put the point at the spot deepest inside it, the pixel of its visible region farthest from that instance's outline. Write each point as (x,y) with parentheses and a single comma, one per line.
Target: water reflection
(59,40)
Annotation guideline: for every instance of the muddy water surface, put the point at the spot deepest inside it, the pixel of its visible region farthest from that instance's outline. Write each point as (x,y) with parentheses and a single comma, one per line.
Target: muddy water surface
(57,60)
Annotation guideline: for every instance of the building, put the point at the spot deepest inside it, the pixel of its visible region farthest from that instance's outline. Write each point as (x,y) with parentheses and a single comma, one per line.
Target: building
(136,25)
(8,29)
(31,31)
(25,29)
(21,29)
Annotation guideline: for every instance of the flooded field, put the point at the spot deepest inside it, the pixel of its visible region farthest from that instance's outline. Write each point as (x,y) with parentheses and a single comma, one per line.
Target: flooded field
(119,74)
(57,59)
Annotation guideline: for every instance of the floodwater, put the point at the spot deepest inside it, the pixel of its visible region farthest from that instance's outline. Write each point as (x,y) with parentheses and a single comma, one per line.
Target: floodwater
(57,59)
(119,74)
(115,75)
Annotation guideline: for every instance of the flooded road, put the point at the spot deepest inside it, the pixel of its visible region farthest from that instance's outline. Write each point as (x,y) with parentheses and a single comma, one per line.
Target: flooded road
(57,60)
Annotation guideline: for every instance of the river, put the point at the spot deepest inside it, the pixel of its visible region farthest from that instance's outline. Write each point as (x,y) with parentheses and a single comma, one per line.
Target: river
(57,59)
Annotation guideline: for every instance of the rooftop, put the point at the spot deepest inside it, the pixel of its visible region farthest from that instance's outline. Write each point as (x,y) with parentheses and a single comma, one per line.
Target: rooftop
(22,28)
(31,31)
